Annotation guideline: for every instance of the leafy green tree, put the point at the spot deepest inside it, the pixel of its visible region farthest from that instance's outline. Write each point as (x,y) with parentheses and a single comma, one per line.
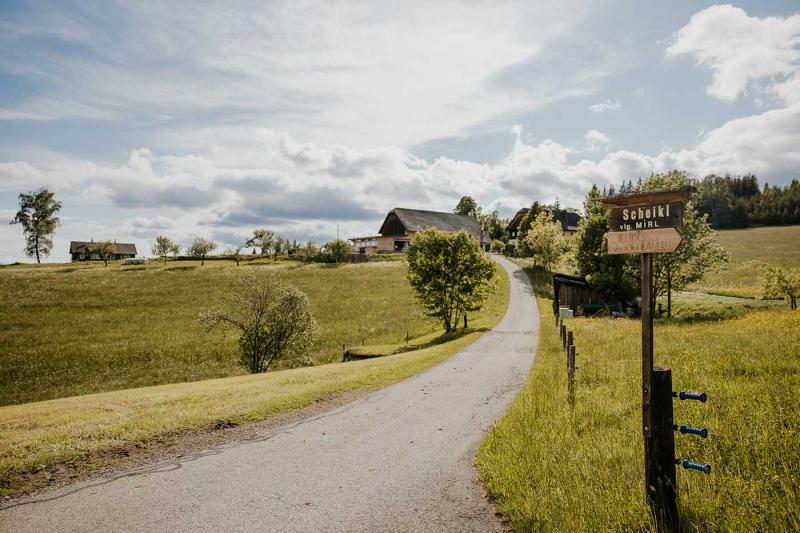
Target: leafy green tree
(699,252)
(274,319)
(780,283)
(37,215)
(201,248)
(498,246)
(545,240)
(467,206)
(338,250)
(175,250)
(449,274)
(594,264)
(163,247)
(104,250)
(263,239)
(525,226)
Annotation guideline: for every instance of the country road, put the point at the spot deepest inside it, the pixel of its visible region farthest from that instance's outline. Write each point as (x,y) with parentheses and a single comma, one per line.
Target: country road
(400,459)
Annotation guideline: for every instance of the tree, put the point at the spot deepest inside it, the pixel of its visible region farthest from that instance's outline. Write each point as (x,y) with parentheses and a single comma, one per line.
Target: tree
(201,248)
(309,250)
(262,238)
(467,206)
(280,245)
(37,216)
(338,250)
(234,253)
(274,319)
(780,283)
(103,249)
(594,264)
(163,247)
(699,252)
(449,274)
(498,246)
(525,226)
(545,240)
(175,250)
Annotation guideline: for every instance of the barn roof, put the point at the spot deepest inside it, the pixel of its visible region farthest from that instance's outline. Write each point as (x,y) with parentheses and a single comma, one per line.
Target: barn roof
(76,247)
(419,220)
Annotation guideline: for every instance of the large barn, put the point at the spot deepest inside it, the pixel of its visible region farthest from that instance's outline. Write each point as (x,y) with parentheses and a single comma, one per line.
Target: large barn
(80,251)
(400,226)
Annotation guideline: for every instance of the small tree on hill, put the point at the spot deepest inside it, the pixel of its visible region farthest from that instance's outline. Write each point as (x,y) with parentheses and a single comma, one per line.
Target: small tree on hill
(263,239)
(37,215)
(234,253)
(467,206)
(274,319)
(175,250)
(449,274)
(781,283)
(163,247)
(202,248)
(338,250)
(546,240)
(103,249)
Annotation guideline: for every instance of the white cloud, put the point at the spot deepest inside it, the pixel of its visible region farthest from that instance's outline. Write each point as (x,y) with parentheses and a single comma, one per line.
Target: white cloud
(608,105)
(742,50)
(596,140)
(357,74)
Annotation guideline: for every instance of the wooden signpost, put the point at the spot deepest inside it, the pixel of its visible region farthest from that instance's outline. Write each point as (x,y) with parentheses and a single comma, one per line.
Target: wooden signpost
(646,223)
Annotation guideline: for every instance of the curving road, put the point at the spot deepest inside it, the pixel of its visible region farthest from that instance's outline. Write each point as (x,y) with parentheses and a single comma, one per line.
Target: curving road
(400,459)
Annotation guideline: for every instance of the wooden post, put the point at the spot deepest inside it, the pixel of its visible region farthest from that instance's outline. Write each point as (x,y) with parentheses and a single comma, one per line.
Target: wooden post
(661,481)
(465,321)
(571,374)
(563,334)
(570,342)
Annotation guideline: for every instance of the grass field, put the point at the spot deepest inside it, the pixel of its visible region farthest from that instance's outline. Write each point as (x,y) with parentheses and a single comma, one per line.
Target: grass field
(550,467)
(82,328)
(76,430)
(775,245)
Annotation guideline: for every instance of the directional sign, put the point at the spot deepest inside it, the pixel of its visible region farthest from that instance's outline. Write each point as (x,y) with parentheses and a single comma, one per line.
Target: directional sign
(647,216)
(643,241)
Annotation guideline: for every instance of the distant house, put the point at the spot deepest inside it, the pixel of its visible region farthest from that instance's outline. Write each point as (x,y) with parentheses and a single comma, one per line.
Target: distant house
(400,226)
(79,251)
(569,221)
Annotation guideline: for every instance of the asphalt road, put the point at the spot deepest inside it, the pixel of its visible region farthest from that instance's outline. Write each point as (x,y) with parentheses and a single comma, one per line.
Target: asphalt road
(400,459)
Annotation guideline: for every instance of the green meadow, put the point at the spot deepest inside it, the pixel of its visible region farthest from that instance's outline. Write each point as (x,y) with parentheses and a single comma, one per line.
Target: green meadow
(550,466)
(74,329)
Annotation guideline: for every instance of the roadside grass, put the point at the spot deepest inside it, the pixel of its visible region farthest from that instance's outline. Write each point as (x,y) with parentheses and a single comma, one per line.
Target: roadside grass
(78,430)
(550,467)
(71,329)
(777,245)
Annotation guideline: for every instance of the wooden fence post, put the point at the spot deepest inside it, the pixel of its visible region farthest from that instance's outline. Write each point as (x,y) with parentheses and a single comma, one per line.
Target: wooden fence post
(571,373)
(570,342)
(661,480)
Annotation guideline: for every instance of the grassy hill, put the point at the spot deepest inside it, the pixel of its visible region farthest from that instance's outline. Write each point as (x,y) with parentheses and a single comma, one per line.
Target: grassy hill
(74,329)
(550,466)
(775,245)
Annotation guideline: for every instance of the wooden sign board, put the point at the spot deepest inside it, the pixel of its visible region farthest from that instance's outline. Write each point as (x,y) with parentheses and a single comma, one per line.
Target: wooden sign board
(651,241)
(647,216)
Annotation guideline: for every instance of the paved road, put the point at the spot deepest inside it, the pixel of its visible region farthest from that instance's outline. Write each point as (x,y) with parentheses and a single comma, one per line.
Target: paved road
(400,459)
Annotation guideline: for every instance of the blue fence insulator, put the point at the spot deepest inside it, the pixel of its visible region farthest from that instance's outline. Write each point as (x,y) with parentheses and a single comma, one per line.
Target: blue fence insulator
(699,396)
(688,465)
(702,432)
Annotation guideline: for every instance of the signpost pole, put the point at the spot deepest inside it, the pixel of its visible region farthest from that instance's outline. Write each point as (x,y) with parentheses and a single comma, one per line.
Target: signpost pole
(647,374)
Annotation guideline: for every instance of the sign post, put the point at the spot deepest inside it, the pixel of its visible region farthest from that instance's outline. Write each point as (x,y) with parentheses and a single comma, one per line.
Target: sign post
(646,223)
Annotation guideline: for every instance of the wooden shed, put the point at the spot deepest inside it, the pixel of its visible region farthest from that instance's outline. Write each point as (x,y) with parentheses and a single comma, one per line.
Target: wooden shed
(573,292)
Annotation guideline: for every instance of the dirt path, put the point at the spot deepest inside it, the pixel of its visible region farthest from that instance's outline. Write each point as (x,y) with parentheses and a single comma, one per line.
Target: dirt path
(396,460)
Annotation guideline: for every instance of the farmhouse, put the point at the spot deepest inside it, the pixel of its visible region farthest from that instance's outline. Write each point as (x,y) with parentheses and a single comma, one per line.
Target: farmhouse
(79,251)
(569,221)
(400,226)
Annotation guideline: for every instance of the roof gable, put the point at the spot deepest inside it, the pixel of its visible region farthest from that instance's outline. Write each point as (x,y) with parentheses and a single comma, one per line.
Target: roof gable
(76,247)
(401,220)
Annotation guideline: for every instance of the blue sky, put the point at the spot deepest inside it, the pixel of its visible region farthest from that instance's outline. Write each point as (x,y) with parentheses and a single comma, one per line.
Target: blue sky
(213,119)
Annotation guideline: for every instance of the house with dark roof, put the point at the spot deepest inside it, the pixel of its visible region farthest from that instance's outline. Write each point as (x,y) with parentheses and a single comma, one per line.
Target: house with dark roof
(569,221)
(400,226)
(80,251)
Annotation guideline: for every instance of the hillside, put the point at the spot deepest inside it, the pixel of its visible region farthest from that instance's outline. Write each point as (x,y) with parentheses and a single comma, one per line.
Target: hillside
(777,245)
(83,328)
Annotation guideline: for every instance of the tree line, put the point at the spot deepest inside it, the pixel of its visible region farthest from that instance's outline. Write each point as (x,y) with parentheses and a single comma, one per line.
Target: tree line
(738,201)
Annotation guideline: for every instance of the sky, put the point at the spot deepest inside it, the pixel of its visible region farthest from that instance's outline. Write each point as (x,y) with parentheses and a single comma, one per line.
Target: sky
(310,118)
